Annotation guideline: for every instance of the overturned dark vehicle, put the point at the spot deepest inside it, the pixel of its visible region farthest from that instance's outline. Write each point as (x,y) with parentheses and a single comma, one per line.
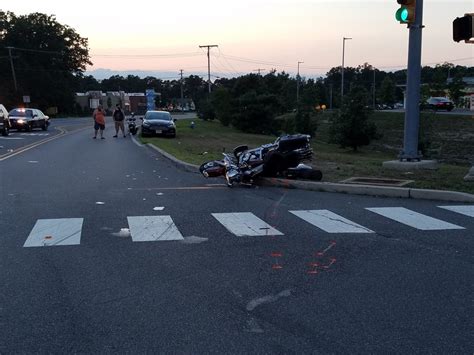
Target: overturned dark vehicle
(282,158)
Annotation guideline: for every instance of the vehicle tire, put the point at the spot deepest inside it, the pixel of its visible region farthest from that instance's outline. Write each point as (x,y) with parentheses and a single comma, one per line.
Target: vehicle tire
(450,109)
(292,160)
(44,127)
(28,128)
(273,163)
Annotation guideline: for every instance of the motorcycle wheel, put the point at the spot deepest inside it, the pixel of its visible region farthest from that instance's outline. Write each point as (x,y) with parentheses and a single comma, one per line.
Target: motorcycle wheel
(273,164)
(292,160)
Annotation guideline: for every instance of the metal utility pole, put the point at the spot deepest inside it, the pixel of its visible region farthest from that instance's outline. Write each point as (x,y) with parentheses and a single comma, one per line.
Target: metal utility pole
(208,46)
(373,87)
(298,85)
(182,90)
(412,112)
(259,70)
(344,39)
(13,68)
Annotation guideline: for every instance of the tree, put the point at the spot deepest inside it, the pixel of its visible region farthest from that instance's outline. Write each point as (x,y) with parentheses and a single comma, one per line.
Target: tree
(455,88)
(48,58)
(387,91)
(350,126)
(256,113)
(222,102)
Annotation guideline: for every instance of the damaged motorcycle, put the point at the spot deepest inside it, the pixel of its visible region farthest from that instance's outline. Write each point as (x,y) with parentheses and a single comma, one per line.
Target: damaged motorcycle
(282,158)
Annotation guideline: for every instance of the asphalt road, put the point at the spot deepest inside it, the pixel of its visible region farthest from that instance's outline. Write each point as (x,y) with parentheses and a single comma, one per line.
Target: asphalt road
(80,273)
(453,112)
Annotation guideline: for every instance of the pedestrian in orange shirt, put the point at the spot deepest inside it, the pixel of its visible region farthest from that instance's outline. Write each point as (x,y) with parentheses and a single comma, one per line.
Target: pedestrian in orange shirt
(99,121)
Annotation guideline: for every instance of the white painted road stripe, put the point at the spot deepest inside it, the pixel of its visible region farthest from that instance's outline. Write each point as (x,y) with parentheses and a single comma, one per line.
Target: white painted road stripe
(413,219)
(465,210)
(54,232)
(153,228)
(245,224)
(330,222)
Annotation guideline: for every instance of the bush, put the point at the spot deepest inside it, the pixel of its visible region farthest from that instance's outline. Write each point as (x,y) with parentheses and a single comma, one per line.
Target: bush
(206,110)
(350,126)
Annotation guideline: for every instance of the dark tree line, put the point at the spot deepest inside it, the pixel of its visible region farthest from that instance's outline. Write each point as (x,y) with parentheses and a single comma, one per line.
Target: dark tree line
(48,58)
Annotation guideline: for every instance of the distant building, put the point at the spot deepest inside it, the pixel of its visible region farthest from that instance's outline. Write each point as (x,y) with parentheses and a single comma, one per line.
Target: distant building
(137,103)
(130,102)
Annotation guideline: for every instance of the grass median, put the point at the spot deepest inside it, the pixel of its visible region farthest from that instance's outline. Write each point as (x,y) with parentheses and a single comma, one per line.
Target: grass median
(451,137)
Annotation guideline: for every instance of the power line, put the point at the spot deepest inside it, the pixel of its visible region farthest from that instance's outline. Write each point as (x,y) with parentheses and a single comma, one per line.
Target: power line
(173,55)
(33,50)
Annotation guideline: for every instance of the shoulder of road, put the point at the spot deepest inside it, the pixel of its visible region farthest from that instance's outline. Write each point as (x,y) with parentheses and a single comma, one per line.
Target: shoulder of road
(369,190)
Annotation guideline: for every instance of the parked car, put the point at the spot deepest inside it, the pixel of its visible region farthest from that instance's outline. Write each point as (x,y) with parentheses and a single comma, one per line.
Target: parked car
(4,121)
(28,118)
(385,107)
(158,123)
(438,103)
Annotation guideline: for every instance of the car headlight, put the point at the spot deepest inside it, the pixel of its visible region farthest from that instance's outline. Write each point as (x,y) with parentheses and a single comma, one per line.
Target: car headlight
(21,121)
(146,124)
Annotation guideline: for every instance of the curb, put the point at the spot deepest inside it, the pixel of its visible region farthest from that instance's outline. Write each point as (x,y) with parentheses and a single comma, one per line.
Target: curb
(368,190)
(180,164)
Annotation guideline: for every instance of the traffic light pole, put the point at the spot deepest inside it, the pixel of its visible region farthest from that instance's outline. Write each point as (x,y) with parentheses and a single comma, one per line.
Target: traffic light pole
(412,110)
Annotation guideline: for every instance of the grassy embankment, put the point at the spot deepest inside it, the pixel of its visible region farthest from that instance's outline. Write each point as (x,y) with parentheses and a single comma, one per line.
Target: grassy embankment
(451,137)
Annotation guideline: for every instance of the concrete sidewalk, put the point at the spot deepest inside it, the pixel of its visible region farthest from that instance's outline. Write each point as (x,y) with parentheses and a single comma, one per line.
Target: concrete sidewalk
(356,189)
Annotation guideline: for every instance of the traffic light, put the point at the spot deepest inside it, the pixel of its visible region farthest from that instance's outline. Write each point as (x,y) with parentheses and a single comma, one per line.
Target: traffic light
(406,13)
(463,28)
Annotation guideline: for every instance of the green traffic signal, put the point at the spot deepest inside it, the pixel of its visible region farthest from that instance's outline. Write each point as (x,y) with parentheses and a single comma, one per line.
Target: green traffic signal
(402,14)
(406,13)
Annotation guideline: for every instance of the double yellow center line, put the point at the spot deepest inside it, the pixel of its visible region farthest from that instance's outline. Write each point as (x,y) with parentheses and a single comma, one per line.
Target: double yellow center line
(20,150)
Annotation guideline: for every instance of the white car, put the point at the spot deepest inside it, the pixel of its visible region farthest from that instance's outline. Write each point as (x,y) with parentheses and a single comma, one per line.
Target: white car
(4,121)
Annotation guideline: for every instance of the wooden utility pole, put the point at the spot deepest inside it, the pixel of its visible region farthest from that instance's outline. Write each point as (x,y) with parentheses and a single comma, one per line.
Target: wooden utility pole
(208,46)
(13,67)
(182,90)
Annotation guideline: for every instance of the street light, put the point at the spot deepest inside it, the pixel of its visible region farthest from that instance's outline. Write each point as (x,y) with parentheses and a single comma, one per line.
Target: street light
(342,74)
(298,85)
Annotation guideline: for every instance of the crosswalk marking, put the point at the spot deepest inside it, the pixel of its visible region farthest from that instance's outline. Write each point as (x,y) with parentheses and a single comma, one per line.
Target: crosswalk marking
(330,222)
(55,232)
(245,224)
(413,219)
(67,231)
(34,134)
(153,228)
(465,210)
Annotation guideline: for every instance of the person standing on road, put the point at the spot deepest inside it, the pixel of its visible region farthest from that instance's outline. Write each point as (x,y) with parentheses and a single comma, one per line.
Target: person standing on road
(118,119)
(99,121)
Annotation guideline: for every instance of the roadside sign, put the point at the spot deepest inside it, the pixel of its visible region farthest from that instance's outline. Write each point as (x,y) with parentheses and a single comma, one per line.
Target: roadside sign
(26,99)
(94,103)
(150,99)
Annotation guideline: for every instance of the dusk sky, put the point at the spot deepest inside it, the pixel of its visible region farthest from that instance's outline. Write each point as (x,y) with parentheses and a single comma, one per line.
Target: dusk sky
(251,34)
